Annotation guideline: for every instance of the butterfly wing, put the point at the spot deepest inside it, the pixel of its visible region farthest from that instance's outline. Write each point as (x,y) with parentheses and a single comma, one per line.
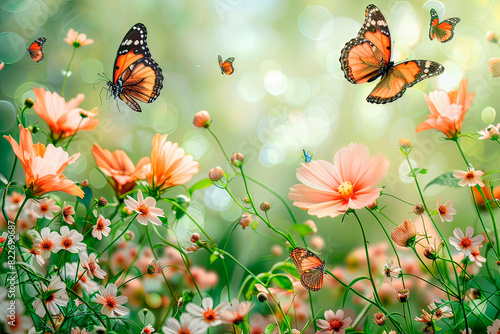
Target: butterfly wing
(304,260)
(401,76)
(365,57)
(136,74)
(313,279)
(36,49)
(226,67)
(443,31)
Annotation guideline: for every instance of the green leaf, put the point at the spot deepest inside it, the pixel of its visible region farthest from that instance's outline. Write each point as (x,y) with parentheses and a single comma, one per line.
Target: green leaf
(205,183)
(302,229)
(282,280)
(115,278)
(87,198)
(417,171)
(3,179)
(269,328)
(286,267)
(213,257)
(446,179)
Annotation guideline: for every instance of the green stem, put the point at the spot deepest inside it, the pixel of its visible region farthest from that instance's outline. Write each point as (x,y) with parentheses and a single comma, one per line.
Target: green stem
(221,148)
(74,134)
(67,71)
(118,237)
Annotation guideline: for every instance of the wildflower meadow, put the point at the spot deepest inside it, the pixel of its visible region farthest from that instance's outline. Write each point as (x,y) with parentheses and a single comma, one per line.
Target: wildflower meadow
(255,167)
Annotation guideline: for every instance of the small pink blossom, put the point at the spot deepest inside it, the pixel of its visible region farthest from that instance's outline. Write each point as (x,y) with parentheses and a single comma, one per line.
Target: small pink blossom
(494,328)
(71,240)
(237,312)
(90,262)
(47,242)
(466,243)
(475,256)
(57,298)
(111,303)
(45,207)
(67,214)
(470,177)
(145,208)
(334,323)
(490,132)
(75,39)
(210,315)
(101,228)
(445,210)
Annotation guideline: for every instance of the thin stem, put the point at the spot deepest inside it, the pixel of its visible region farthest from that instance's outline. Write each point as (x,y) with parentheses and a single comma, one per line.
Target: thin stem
(67,71)
(74,134)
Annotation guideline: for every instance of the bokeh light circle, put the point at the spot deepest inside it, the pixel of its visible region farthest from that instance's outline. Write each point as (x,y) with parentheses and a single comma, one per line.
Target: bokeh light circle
(275,82)
(33,15)
(7,116)
(89,70)
(13,47)
(271,154)
(488,115)
(316,22)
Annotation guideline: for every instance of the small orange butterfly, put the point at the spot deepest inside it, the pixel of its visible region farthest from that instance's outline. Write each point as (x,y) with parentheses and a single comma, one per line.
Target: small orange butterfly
(442,31)
(36,49)
(310,267)
(226,67)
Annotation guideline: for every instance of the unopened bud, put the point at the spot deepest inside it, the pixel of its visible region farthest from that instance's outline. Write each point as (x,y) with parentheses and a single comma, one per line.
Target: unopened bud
(262,297)
(237,159)
(379,318)
(245,220)
(194,237)
(419,209)
(246,200)
(83,115)
(276,250)
(317,242)
(265,206)
(192,248)
(312,225)
(202,119)
(34,128)
(403,295)
(84,183)
(430,252)
(102,202)
(491,36)
(216,174)
(129,235)
(404,143)
(28,103)
(372,206)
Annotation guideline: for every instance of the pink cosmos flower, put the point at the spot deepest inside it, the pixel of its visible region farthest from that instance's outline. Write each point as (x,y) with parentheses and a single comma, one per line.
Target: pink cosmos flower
(111,303)
(447,110)
(76,40)
(475,256)
(71,240)
(236,313)
(67,213)
(77,330)
(330,190)
(145,208)
(37,253)
(494,328)
(57,298)
(446,210)
(210,315)
(101,228)
(186,325)
(47,242)
(490,132)
(147,329)
(471,177)
(45,207)
(90,262)
(334,323)
(466,243)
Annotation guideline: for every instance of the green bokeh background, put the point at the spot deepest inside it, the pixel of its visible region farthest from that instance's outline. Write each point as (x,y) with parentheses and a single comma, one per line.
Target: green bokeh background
(287,93)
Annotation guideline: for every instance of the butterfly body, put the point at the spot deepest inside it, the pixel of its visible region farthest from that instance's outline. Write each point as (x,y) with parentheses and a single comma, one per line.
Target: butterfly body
(35,49)
(310,268)
(307,156)
(442,31)
(226,67)
(136,76)
(367,57)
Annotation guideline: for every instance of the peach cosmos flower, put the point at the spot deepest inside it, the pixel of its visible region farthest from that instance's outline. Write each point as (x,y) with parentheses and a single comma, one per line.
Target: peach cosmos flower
(447,110)
(63,118)
(118,167)
(146,209)
(169,165)
(75,39)
(330,190)
(445,210)
(112,305)
(469,178)
(334,322)
(42,166)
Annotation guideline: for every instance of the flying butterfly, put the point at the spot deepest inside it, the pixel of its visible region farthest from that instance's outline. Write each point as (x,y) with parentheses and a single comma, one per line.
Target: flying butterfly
(442,31)
(310,267)
(136,76)
(36,49)
(226,67)
(307,156)
(368,57)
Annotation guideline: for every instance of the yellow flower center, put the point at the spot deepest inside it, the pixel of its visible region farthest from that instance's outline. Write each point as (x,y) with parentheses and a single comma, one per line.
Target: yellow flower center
(346,189)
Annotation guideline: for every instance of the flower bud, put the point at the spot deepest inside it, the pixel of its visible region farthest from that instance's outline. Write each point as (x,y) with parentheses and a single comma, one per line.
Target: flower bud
(317,242)
(84,183)
(129,235)
(403,295)
(237,159)
(379,318)
(216,174)
(262,297)
(312,225)
(491,36)
(246,200)
(245,220)
(419,209)
(202,119)
(276,250)
(373,205)
(28,103)
(404,143)
(83,115)
(34,128)
(265,206)
(102,202)
(430,252)
(192,248)
(194,238)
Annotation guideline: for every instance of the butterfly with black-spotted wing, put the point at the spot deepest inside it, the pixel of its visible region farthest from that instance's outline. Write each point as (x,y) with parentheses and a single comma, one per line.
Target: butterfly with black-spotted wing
(226,67)
(35,49)
(310,267)
(136,76)
(442,31)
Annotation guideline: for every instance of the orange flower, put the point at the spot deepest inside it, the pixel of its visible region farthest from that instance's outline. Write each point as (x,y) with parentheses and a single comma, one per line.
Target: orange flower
(75,39)
(63,118)
(119,167)
(447,110)
(42,166)
(169,166)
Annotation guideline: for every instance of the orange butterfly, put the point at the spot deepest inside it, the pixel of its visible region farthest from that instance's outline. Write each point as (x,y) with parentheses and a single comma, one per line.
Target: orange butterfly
(226,67)
(368,57)
(136,76)
(442,31)
(310,267)
(36,49)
